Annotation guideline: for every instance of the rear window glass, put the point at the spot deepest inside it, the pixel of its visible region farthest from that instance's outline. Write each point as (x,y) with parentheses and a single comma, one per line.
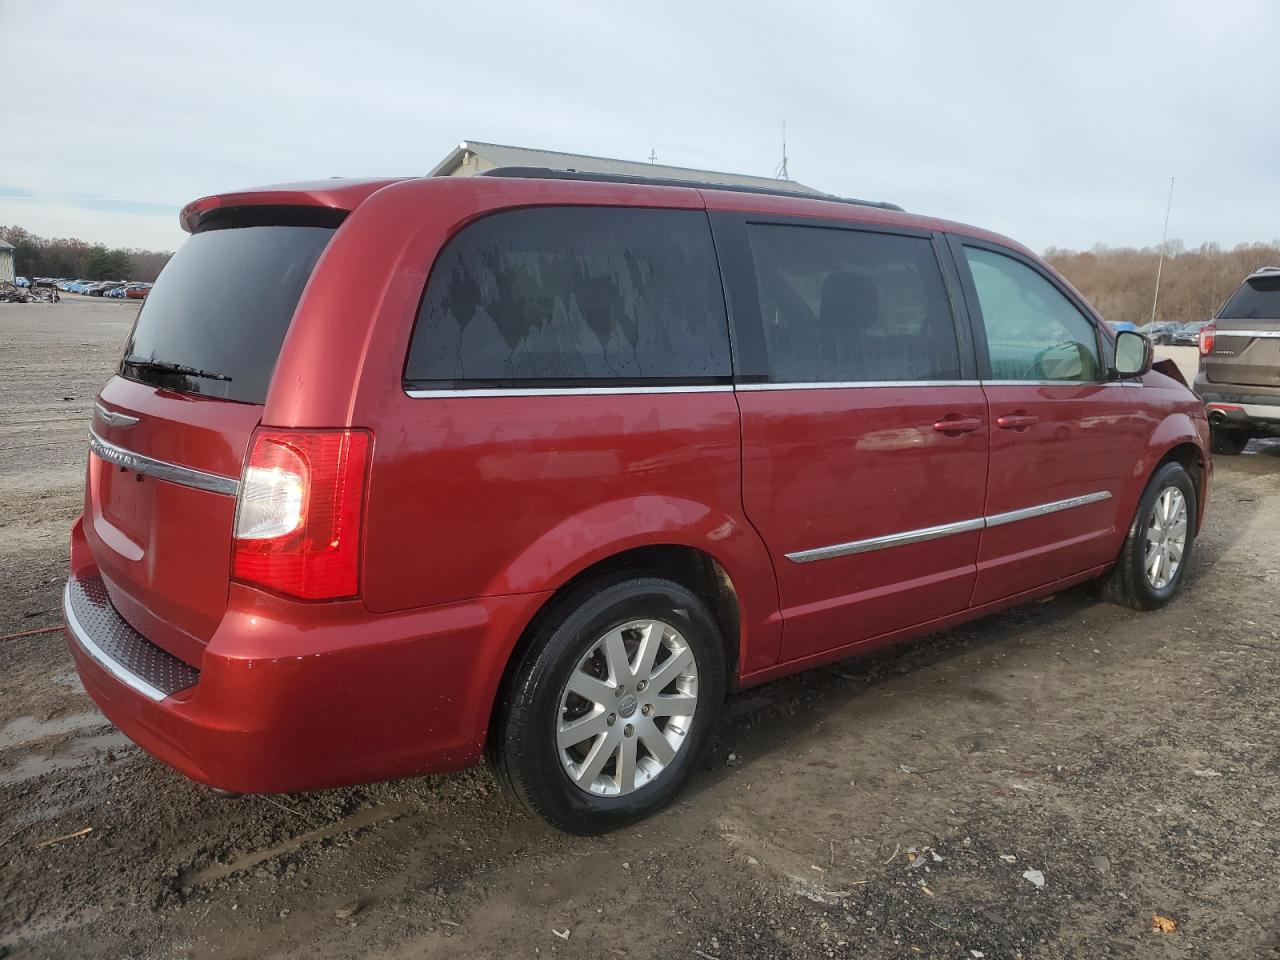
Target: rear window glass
(217,316)
(1257,299)
(573,296)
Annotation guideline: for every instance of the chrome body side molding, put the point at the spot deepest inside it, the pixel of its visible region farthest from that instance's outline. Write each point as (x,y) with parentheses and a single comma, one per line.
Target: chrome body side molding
(1027,513)
(944,529)
(890,540)
(162,470)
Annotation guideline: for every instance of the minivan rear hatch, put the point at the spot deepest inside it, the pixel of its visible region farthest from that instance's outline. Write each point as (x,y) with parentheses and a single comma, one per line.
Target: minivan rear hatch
(171,430)
(1246,346)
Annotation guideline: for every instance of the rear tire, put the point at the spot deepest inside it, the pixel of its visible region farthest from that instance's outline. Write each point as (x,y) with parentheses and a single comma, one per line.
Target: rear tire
(643,724)
(1228,443)
(1158,548)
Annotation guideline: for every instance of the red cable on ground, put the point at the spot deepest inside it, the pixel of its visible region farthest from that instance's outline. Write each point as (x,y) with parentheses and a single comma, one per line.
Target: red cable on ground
(31,633)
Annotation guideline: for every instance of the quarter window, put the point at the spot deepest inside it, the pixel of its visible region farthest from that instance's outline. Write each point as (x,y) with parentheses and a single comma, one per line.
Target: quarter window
(574,296)
(847,305)
(1033,331)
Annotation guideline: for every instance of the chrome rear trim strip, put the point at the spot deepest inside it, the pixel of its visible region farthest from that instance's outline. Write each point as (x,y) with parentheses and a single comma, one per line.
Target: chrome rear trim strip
(162,470)
(99,656)
(1028,513)
(882,543)
(1260,334)
(943,530)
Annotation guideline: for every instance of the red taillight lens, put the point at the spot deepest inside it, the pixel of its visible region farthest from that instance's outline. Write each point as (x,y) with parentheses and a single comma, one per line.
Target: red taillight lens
(298,522)
(1206,339)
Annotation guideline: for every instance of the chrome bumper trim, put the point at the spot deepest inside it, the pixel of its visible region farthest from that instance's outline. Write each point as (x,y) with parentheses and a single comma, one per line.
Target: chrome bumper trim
(943,530)
(99,656)
(162,470)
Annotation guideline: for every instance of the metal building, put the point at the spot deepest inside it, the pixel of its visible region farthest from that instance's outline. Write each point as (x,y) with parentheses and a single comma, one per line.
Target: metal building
(472,156)
(6,262)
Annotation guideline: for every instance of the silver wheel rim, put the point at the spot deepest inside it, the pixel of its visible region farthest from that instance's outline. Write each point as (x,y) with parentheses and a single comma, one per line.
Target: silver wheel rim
(1166,537)
(627,709)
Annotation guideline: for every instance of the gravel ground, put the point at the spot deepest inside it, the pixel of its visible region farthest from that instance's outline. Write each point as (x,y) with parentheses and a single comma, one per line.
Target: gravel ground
(1037,784)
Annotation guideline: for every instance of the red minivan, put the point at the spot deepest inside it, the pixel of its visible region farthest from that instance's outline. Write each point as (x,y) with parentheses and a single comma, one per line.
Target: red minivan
(397,473)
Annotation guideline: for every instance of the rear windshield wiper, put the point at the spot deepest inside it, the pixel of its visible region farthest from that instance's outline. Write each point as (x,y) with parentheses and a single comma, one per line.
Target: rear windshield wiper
(166,366)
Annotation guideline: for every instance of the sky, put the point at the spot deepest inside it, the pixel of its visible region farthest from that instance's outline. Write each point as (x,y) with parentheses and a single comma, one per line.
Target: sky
(1057,125)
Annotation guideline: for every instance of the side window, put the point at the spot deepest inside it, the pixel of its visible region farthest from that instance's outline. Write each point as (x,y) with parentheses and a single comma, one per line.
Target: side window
(1033,331)
(848,305)
(574,295)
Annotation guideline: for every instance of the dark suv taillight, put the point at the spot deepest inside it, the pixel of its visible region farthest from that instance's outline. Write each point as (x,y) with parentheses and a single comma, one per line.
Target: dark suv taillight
(299,517)
(1207,333)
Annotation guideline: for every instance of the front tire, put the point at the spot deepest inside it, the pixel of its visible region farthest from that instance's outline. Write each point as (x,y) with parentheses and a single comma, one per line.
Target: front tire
(613,702)
(1158,548)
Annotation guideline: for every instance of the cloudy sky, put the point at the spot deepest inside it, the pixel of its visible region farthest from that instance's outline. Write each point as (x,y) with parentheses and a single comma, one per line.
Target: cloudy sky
(1057,126)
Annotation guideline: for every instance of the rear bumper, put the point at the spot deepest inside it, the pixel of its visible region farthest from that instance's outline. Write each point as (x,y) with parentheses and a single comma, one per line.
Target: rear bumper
(292,696)
(1239,405)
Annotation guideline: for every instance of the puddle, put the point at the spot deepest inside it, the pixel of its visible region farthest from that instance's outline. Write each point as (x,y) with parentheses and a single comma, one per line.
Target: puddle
(28,729)
(80,752)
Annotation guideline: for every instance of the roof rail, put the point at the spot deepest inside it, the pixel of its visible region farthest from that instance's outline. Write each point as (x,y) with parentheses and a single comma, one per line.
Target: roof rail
(546,173)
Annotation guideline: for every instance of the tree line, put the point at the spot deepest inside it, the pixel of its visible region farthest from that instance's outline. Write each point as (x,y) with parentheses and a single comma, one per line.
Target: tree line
(1121,282)
(36,256)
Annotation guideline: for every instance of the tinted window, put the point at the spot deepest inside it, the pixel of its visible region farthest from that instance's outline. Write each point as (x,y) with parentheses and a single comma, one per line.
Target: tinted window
(1033,331)
(847,305)
(1257,299)
(222,305)
(574,295)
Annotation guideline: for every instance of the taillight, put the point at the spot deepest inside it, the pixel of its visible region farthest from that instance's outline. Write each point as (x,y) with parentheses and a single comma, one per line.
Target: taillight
(1206,339)
(298,521)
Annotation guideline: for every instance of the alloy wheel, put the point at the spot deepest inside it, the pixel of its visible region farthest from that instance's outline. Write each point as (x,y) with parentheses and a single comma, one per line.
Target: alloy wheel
(627,708)
(1166,537)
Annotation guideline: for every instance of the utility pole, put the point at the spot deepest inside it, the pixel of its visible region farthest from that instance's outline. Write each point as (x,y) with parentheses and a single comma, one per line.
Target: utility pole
(1163,240)
(653,155)
(781,172)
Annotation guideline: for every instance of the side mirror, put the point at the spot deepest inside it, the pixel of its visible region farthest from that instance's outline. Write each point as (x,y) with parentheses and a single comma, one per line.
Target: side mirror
(1134,355)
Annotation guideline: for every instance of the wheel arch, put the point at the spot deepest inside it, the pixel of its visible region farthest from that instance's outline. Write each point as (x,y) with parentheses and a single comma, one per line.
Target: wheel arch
(694,568)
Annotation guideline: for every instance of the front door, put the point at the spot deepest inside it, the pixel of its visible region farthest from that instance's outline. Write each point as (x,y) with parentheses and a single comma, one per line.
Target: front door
(1064,438)
(864,430)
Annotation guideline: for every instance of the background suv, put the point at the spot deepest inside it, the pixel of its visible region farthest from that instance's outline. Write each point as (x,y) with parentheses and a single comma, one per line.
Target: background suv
(1239,375)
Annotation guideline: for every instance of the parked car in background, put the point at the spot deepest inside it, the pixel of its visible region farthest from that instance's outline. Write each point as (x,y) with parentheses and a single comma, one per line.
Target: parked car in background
(1239,375)
(99,289)
(138,292)
(1119,325)
(21,282)
(1187,335)
(1160,333)
(539,466)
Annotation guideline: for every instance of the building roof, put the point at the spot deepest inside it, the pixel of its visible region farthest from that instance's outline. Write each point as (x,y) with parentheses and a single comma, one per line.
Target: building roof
(5,245)
(502,155)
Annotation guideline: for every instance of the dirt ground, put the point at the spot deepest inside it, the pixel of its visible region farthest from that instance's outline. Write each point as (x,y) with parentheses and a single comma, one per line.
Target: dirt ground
(905,805)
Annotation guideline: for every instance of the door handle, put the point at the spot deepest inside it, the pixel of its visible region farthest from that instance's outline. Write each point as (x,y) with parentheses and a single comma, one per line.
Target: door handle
(957,425)
(1016,421)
